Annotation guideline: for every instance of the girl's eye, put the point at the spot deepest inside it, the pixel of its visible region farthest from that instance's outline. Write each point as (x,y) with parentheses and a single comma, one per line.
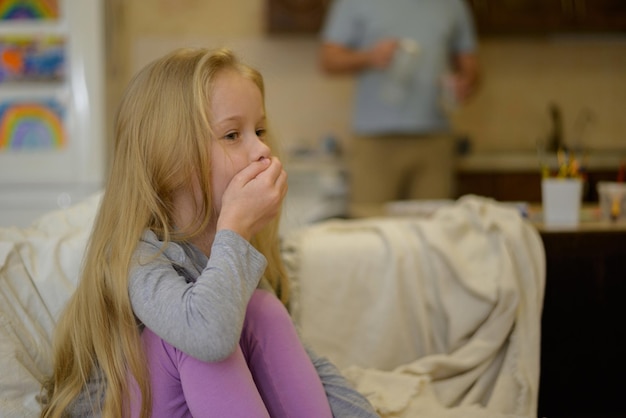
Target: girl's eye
(261,133)
(231,136)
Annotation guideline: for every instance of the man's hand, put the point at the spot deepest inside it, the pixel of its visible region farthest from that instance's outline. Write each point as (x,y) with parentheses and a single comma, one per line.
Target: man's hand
(381,54)
(339,59)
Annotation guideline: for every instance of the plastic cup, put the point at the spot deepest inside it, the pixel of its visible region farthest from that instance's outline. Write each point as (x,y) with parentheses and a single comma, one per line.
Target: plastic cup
(612,199)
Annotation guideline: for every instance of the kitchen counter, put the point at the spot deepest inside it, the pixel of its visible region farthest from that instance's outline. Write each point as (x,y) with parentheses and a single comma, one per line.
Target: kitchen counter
(590,221)
(509,176)
(526,161)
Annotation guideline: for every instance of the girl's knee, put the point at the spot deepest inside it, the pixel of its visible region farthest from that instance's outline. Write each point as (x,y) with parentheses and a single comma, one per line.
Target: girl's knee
(265,308)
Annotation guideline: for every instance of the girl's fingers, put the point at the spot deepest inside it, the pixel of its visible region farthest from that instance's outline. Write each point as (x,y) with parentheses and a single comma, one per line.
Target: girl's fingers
(252,171)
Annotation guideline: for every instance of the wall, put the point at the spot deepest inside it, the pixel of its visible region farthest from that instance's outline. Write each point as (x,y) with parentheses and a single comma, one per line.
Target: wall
(522,77)
(510,113)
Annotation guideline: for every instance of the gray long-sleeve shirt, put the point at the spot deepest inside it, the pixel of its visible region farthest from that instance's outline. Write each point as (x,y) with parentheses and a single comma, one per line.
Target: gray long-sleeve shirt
(195,303)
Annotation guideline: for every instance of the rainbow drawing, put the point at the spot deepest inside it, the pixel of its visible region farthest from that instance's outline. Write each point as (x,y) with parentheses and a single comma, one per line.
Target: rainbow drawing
(29,9)
(32,125)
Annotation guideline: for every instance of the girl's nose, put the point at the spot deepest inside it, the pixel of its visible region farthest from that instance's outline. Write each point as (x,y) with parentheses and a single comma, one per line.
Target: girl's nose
(261,150)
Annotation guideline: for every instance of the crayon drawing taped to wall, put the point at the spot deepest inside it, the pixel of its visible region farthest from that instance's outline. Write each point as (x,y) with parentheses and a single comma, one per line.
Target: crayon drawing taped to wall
(32,125)
(32,59)
(29,10)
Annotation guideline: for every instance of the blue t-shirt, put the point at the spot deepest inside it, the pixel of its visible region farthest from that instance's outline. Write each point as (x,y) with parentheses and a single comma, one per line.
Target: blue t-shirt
(440,28)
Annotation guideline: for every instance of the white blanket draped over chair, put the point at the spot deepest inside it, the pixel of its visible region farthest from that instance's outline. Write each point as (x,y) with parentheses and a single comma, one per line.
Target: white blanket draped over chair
(436,316)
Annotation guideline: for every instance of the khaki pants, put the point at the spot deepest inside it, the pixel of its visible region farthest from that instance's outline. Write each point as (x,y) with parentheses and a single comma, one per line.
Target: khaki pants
(404,167)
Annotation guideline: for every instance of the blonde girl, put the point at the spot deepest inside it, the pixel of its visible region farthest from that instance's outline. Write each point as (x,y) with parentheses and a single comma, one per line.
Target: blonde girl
(169,319)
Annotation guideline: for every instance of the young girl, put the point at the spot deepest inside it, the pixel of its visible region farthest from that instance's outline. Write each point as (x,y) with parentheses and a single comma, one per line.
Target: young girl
(168,319)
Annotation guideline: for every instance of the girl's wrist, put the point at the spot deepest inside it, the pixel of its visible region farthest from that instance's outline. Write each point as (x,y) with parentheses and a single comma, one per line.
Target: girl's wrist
(234,227)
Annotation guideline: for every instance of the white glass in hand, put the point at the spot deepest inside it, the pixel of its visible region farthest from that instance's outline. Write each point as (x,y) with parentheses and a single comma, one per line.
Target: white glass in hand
(401,72)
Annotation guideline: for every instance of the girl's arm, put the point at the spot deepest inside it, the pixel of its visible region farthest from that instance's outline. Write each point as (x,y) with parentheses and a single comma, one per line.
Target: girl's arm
(202,318)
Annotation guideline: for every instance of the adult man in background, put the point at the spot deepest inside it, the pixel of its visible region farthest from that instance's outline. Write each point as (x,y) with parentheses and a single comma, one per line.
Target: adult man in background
(414,61)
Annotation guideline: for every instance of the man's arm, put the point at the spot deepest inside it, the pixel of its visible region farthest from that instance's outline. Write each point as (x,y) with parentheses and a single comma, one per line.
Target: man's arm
(467,75)
(338,59)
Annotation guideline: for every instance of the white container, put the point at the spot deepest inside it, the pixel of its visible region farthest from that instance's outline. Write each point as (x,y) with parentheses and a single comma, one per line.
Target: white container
(612,199)
(561,200)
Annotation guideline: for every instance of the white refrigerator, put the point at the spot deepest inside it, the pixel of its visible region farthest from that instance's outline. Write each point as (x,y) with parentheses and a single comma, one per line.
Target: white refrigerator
(52,105)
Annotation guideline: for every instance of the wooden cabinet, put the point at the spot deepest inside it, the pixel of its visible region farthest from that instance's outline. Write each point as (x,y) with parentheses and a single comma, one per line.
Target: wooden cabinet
(583,338)
(520,186)
(503,186)
(534,17)
(520,16)
(493,17)
(295,16)
(603,14)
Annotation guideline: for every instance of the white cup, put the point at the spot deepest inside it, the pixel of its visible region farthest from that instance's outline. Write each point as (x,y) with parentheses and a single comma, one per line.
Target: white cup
(561,200)
(612,198)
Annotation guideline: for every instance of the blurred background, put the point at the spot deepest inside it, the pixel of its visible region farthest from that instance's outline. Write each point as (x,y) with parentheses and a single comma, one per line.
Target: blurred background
(538,57)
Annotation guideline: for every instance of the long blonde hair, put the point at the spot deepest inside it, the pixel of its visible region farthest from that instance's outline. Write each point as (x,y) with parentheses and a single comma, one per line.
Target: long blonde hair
(161,144)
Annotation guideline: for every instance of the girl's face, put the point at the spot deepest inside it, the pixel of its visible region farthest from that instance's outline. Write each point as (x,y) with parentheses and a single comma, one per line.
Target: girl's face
(239,126)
